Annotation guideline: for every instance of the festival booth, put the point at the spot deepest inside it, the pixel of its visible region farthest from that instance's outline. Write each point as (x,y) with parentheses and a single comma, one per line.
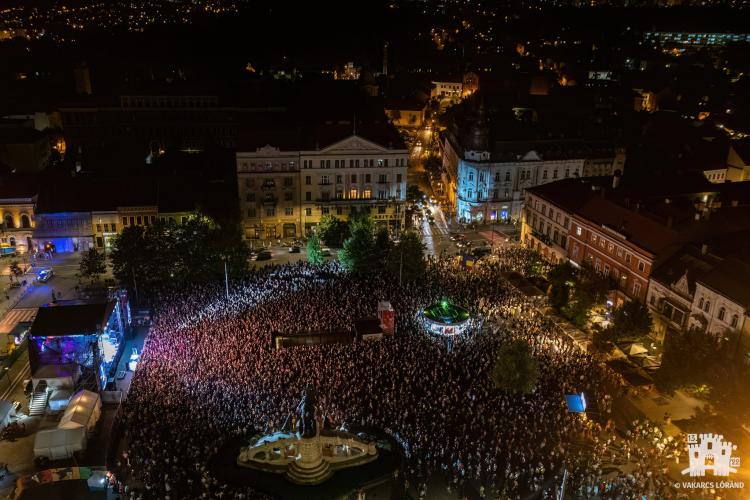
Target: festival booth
(83,411)
(57,444)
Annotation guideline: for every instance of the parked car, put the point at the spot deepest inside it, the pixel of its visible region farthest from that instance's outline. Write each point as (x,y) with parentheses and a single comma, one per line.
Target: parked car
(261,255)
(457,237)
(325,252)
(294,249)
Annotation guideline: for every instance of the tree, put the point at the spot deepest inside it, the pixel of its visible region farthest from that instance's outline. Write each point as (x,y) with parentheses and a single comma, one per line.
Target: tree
(314,251)
(357,254)
(413,193)
(15,270)
(560,278)
(333,231)
(167,254)
(93,264)
(406,259)
(631,320)
(382,246)
(516,369)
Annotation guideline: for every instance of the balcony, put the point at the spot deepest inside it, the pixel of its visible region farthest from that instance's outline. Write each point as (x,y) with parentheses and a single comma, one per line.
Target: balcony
(542,237)
(270,199)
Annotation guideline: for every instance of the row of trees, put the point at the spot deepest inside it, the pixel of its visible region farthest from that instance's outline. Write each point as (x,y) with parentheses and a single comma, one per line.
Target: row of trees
(366,249)
(166,254)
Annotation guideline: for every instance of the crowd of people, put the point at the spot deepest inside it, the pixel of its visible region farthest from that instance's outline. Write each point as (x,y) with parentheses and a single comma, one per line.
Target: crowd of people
(210,375)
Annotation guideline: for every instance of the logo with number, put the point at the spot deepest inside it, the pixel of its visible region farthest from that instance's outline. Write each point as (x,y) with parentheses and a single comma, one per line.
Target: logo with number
(709,452)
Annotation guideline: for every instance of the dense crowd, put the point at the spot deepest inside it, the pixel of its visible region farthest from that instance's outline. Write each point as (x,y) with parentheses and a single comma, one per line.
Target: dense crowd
(210,375)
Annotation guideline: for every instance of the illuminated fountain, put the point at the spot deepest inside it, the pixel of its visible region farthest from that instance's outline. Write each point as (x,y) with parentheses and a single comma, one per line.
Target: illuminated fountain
(306,453)
(446,319)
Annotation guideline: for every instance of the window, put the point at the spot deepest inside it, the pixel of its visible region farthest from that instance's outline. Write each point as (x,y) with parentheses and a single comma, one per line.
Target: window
(339,179)
(287,181)
(636,289)
(610,247)
(554,174)
(339,210)
(641,266)
(251,212)
(381,209)
(382,178)
(575,252)
(288,196)
(598,265)
(353,194)
(735,321)
(544,174)
(507,176)
(565,223)
(398,178)
(106,228)
(114,227)
(700,303)
(471,176)
(308,196)
(606,269)
(132,221)
(469,194)
(354,178)
(481,176)
(139,220)
(652,300)
(722,313)
(707,306)
(308,212)
(250,197)
(325,210)
(308,179)
(366,194)
(98,228)
(567,172)
(497,176)
(578,230)
(324,179)
(270,212)
(627,258)
(368,178)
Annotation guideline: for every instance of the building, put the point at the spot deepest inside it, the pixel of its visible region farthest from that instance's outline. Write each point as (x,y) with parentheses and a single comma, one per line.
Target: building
(619,243)
(289,178)
(738,161)
(548,212)
(76,214)
(24,150)
(699,289)
(17,200)
(408,113)
(486,177)
(447,90)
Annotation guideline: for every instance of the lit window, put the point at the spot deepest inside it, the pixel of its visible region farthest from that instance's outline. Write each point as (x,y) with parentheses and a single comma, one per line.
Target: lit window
(578,231)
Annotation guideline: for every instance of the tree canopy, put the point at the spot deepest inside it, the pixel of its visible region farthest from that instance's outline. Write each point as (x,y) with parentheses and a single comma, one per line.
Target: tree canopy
(314,251)
(333,231)
(406,258)
(93,264)
(166,254)
(516,369)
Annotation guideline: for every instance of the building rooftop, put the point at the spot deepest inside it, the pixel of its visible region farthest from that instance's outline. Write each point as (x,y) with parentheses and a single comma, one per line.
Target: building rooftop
(71,317)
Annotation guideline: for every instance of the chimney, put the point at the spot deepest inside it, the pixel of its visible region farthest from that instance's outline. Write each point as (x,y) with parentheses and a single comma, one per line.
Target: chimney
(704,249)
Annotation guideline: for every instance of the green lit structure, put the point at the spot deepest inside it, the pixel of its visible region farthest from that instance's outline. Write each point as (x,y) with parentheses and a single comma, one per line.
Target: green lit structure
(446,319)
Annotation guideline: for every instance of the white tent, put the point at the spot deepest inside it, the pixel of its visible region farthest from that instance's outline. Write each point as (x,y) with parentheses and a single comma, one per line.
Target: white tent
(83,411)
(635,349)
(6,411)
(57,444)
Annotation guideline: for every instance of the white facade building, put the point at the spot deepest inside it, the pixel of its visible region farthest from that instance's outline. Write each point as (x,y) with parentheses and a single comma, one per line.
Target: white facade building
(284,191)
